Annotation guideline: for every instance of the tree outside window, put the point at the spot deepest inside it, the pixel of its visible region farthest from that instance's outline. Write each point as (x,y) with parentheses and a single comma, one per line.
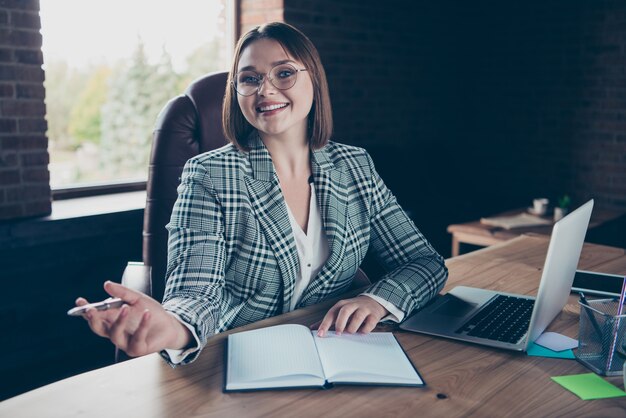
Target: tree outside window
(106,83)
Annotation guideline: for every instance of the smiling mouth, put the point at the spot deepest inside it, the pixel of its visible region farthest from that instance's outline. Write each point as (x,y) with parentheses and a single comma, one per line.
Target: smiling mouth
(269,108)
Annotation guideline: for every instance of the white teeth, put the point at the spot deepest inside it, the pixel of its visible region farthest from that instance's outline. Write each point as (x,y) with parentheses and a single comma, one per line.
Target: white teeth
(271,107)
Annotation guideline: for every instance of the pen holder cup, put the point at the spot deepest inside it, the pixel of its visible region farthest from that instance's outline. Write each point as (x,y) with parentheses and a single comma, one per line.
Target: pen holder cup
(601,336)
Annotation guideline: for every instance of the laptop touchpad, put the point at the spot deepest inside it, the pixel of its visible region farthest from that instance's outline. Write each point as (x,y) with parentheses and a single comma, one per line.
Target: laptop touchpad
(454,306)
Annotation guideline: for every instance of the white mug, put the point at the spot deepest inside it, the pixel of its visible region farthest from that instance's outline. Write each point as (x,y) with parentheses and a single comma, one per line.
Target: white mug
(540,205)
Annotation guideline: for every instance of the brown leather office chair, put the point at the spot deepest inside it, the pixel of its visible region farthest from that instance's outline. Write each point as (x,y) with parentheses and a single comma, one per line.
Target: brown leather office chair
(188,125)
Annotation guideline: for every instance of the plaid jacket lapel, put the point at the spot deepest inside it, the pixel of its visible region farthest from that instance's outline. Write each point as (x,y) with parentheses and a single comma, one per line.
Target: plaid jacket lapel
(330,187)
(271,212)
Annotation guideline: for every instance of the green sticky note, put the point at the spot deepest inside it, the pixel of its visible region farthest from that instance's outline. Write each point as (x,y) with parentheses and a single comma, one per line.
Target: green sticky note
(589,386)
(539,351)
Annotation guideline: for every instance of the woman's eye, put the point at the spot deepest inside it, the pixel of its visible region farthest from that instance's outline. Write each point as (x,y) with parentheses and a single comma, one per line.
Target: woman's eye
(285,73)
(249,80)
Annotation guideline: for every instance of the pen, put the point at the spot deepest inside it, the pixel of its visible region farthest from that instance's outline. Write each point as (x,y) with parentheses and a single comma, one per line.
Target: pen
(106,304)
(596,326)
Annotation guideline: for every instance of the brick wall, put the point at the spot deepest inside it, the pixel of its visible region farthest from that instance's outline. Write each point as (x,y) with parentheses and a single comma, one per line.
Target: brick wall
(546,98)
(24,177)
(479,106)
(392,70)
(256,12)
(368,50)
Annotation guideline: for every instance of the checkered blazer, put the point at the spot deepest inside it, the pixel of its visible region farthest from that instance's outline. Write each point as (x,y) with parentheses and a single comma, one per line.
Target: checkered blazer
(232,257)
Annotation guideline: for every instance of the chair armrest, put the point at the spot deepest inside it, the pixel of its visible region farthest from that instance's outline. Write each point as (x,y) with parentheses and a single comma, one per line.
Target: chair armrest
(137,276)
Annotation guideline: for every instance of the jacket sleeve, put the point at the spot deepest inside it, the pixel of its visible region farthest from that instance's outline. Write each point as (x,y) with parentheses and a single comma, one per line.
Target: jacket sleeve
(196,255)
(415,272)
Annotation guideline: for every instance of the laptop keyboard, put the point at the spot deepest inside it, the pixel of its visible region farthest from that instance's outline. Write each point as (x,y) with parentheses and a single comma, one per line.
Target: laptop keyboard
(503,318)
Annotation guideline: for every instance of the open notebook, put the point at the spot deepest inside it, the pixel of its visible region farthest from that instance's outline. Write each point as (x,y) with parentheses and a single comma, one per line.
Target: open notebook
(292,356)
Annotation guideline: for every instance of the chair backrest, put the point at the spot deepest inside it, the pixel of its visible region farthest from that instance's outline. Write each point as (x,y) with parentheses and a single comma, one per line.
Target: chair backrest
(188,125)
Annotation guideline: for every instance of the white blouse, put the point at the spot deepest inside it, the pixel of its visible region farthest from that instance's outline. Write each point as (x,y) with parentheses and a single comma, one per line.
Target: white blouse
(313,252)
(312,248)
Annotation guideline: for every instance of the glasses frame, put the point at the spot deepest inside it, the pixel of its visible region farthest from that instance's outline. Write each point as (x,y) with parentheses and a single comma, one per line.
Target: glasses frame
(265,76)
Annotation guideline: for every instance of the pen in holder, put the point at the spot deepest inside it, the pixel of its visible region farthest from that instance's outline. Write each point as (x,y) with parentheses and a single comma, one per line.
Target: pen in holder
(601,333)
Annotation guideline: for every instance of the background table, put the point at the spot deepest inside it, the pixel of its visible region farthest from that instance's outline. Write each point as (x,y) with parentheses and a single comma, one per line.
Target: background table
(462,379)
(476,233)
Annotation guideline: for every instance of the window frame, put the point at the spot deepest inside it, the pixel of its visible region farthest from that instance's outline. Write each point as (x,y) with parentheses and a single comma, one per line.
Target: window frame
(97,189)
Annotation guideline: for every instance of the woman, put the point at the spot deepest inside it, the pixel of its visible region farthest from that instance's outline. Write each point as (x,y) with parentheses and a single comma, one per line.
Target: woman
(279,219)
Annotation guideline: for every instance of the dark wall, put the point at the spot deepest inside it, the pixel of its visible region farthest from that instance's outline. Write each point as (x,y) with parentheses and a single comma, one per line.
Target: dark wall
(470,108)
(46,264)
(546,98)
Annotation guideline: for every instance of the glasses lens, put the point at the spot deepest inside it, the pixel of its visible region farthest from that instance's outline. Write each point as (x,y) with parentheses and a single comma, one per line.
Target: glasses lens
(247,82)
(283,76)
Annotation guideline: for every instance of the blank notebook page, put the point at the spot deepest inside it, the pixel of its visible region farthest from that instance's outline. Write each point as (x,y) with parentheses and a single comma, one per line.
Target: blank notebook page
(283,350)
(372,354)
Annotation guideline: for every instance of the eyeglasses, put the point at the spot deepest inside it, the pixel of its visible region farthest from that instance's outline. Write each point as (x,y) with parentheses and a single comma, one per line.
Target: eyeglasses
(282,76)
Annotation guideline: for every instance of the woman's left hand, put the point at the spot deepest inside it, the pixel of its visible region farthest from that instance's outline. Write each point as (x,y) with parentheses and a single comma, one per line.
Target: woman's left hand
(359,314)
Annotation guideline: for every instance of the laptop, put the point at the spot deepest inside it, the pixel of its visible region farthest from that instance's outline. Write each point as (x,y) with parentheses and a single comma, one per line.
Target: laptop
(507,320)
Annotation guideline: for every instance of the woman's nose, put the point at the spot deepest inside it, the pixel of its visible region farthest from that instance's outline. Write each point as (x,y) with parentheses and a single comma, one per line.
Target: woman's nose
(266,87)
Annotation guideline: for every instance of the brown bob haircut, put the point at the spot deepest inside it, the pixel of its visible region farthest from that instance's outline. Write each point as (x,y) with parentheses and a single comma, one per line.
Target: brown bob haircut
(295,43)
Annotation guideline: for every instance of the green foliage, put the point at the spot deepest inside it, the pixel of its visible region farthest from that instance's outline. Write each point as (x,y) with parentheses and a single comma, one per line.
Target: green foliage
(565,201)
(137,92)
(61,84)
(85,120)
(100,119)
(203,60)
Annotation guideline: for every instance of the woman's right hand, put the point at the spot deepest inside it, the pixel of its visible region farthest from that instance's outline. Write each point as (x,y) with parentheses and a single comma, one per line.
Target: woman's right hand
(141,326)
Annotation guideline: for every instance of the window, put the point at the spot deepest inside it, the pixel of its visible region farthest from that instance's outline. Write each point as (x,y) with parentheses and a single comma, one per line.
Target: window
(111,65)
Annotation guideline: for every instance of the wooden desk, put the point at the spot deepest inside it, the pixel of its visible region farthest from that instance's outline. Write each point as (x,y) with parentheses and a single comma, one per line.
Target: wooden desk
(476,233)
(462,379)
